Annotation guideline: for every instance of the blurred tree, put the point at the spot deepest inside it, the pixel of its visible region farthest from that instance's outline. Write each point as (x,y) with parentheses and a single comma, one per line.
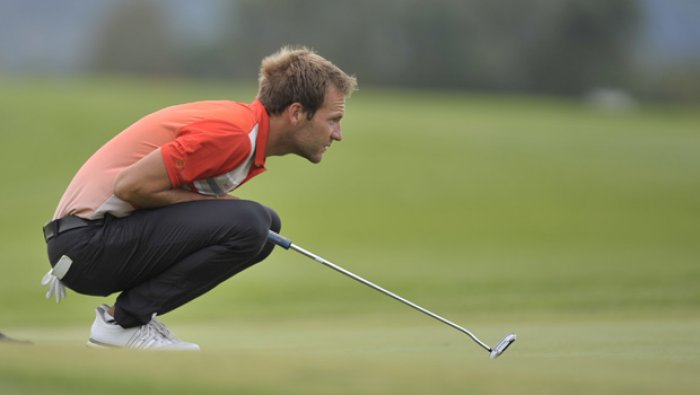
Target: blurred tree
(554,46)
(585,44)
(135,38)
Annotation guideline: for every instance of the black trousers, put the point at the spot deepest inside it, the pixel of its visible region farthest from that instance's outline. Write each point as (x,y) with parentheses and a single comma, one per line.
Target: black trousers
(160,259)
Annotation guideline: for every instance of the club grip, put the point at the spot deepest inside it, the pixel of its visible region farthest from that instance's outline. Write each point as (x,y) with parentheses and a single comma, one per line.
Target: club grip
(279,240)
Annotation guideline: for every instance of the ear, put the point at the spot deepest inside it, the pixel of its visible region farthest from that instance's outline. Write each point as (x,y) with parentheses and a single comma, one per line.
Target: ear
(295,113)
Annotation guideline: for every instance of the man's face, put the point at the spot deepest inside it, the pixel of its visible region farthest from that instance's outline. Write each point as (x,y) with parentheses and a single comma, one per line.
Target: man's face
(316,134)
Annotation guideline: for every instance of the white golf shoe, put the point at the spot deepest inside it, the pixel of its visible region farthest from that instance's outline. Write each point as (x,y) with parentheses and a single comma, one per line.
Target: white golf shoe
(151,336)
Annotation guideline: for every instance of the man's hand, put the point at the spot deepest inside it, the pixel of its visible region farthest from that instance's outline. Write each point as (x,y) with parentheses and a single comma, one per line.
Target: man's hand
(146,184)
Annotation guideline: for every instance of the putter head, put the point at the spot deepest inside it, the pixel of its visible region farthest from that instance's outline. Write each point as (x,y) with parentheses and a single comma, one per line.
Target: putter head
(501,347)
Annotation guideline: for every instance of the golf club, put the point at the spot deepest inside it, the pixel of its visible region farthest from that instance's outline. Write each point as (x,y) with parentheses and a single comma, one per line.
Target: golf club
(494,352)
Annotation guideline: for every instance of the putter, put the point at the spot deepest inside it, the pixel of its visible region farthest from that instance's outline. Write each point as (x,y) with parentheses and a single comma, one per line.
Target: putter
(494,352)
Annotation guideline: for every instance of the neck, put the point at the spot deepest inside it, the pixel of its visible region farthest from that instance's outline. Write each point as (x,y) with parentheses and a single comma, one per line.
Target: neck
(276,140)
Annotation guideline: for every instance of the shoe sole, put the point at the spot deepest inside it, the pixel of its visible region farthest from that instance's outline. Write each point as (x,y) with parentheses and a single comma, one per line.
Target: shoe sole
(92,343)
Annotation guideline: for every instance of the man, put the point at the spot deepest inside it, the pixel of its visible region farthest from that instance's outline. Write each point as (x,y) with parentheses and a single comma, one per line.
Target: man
(149,215)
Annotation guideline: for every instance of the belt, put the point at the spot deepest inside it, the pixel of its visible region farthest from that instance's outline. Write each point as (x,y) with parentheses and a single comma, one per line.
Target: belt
(58,226)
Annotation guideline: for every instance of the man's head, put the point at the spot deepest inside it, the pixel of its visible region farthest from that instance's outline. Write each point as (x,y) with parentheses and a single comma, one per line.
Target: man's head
(299,75)
(305,97)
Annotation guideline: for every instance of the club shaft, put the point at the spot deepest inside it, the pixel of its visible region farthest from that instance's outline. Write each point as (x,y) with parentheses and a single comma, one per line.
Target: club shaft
(388,293)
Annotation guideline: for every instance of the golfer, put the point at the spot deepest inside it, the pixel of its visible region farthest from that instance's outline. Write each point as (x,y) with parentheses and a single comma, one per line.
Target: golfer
(149,215)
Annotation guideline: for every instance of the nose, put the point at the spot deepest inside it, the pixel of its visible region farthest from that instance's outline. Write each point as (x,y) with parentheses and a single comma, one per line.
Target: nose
(337,134)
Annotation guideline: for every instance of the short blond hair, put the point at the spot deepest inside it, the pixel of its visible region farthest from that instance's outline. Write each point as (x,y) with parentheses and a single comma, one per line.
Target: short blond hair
(298,74)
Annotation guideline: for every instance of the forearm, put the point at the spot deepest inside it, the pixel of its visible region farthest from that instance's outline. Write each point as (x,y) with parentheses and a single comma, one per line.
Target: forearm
(146,184)
(166,197)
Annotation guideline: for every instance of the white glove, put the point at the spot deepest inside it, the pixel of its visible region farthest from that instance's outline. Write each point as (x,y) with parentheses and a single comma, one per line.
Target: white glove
(52,279)
(54,285)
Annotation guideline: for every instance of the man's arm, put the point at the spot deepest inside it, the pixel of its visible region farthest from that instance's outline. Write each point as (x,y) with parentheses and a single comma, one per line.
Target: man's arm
(146,184)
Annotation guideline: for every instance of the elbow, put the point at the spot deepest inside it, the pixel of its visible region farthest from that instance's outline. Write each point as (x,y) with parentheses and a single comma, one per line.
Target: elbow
(124,189)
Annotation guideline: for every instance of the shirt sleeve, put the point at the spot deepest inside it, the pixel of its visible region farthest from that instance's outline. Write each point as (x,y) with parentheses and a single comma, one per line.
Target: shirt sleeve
(204,149)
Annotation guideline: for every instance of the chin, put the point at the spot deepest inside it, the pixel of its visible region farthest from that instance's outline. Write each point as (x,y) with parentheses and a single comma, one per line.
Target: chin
(313,158)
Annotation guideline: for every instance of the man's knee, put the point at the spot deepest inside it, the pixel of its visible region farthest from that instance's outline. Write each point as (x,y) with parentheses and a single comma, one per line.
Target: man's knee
(258,220)
(270,221)
(275,222)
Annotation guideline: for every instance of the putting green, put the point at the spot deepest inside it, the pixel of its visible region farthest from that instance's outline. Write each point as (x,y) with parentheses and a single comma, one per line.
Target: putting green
(393,354)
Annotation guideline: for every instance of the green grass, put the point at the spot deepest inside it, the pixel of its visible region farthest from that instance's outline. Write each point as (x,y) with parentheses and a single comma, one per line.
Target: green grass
(577,228)
(390,355)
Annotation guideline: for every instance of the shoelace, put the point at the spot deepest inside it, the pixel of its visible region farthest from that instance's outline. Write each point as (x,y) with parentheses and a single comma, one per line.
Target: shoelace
(153,333)
(162,329)
(148,336)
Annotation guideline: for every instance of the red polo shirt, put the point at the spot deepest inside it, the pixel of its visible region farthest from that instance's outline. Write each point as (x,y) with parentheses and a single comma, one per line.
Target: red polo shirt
(209,147)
